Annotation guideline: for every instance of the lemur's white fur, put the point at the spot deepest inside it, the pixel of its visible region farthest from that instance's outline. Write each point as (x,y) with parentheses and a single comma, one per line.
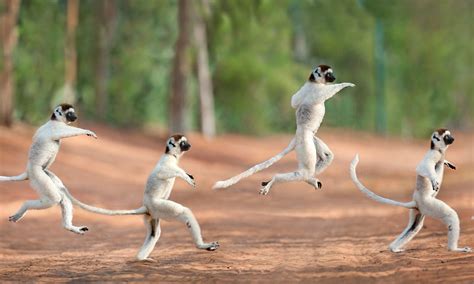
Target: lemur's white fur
(156,205)
(44,148)
(428,181)
(313,155)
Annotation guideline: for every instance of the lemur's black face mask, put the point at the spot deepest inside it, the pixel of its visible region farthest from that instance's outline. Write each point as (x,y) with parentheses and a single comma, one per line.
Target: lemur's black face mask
(71,116)
(184,146)
(329,77)
(448,139)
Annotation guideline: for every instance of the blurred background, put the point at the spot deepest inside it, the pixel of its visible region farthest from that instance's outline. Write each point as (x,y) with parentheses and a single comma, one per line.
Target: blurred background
(231,66)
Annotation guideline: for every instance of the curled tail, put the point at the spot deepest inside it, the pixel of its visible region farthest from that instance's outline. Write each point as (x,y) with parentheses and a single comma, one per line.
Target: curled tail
(20,177)
(256,168)
(373,196)
(140,211)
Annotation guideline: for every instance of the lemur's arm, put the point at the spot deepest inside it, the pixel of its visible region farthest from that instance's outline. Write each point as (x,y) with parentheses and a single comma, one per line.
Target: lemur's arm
(325,92)
(426,168)
(173,172)
(449,165)
(66,131)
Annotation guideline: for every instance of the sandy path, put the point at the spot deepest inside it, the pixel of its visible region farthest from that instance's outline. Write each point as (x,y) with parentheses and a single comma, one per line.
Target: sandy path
(295,233)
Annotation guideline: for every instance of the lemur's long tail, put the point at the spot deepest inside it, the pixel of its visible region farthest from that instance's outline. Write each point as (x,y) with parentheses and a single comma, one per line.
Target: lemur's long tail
(20,177)
(373,196)
(140,211)
(256,168)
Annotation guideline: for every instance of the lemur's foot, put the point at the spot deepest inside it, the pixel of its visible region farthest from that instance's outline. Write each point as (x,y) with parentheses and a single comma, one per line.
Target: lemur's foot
(209,246)
(78,230)
(465,249)
(315,183)
(265,190)
(15,218)
(396,250)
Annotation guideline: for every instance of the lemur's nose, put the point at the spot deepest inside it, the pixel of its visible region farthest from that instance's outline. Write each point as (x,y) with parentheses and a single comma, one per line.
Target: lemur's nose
(448,139)
(70,116)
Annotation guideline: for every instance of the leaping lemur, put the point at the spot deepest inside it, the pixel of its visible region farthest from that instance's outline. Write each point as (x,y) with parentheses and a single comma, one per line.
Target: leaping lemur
(156,205)
(428,181)
(313,155)
(43,151)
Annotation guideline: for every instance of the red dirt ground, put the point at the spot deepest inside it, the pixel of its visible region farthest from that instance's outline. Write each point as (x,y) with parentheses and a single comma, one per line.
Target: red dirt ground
(294,234)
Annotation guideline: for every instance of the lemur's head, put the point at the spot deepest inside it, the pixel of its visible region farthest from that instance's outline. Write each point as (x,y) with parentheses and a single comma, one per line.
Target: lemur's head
(177,144)
(322,74)
(441,139)
(64,113)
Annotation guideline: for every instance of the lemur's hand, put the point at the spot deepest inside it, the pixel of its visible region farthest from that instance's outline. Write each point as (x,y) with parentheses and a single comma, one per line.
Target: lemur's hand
(91,134)
(350,85)
(435,185)
(191,180)
(449,165)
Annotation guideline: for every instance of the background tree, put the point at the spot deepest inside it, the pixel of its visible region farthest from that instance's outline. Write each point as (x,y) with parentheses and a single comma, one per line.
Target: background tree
(178,111)
(107,19)
(68,92)
(8,35)
(201,11)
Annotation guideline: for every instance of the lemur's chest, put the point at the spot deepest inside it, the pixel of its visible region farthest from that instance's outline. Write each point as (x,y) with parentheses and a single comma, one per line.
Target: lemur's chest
(310,116)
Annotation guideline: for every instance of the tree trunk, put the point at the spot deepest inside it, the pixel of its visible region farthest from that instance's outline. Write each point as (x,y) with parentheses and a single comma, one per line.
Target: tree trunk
(9,37)
(107,26)
(181,67)
(206,95)
(69,91)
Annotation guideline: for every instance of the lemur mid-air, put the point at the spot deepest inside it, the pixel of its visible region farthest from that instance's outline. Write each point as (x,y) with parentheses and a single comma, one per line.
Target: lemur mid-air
(428,182)
(156,205)
(43,151)
(313,155)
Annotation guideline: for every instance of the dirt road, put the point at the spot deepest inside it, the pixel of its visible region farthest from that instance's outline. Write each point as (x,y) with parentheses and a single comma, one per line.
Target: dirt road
(295,233)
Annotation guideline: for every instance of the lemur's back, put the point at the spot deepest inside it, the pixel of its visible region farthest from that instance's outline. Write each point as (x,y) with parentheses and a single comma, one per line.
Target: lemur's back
(42,151)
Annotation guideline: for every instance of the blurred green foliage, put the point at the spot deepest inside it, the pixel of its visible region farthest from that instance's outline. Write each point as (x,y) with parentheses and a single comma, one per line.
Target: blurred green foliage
(261,52)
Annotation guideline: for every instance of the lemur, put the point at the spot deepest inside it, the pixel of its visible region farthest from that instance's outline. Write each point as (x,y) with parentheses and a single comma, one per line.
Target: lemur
(428,181)
(313,155)
(156,205)
(42,154)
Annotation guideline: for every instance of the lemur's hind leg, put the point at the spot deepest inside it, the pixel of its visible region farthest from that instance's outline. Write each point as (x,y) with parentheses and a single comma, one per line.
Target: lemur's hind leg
(171,210)
(288,177)
(49,195)
(66,207)
(440,210)
(152,236)
(415,223)
(31,205)
(324,155)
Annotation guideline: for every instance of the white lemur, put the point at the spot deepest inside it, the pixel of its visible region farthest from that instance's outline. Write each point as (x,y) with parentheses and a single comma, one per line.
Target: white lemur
(46,142)
(156,205)
(428,181)
(313,155)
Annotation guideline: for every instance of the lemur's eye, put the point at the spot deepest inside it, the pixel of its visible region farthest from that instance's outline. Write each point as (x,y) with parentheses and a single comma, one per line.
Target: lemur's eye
(182,143)
(437,139)
(171,143)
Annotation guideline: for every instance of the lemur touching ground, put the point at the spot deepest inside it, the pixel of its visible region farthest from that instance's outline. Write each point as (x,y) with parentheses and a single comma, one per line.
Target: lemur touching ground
(428,182)
(42,154)
(156,205)
(313,155)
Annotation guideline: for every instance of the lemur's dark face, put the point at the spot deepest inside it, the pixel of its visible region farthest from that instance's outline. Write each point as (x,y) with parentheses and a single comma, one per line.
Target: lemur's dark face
(64,113)
(441,139)
(177,144)
(322,74)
